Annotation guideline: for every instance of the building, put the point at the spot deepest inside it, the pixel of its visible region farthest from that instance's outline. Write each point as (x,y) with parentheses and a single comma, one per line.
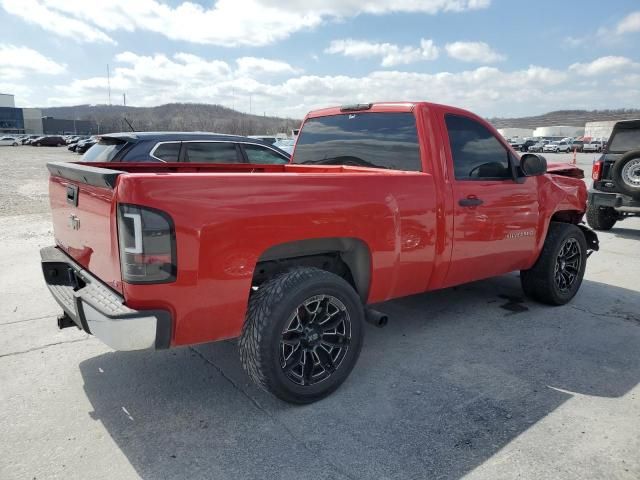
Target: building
(515,132)
(30,121)
(58,126)
(7,100)
(559,131)
(32,118)
(599,129)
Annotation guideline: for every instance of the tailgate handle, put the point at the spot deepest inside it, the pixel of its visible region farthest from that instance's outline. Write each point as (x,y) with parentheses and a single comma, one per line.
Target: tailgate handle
(72,195)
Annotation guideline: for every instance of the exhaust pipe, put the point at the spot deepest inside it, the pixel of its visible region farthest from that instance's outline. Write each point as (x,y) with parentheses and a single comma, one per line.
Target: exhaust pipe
(375,317)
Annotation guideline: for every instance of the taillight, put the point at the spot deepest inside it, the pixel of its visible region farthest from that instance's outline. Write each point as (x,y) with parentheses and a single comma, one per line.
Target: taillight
(596,170)
(147,241)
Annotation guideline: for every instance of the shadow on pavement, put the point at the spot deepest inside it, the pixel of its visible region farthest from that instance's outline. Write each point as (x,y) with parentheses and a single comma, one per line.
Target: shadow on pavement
(627,233)
(455,376)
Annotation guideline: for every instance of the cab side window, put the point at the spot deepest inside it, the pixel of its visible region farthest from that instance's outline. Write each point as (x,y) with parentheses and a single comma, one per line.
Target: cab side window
(477,153)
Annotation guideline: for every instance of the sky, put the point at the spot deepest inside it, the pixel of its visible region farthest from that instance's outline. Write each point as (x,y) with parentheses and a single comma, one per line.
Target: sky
(504,58)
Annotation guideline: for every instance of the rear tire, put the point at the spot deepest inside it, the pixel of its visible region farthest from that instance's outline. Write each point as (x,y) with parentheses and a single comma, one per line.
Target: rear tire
(557,274)
(303,334)
(601,218)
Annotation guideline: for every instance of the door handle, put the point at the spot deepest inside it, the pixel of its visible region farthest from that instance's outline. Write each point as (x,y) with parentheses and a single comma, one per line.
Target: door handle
(470,202)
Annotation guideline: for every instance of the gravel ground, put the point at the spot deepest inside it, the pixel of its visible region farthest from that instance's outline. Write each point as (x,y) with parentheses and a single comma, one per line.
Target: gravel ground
(474,382)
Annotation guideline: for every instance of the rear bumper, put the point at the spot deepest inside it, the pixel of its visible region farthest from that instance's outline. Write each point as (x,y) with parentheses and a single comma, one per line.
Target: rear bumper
(621,203)
(100,311)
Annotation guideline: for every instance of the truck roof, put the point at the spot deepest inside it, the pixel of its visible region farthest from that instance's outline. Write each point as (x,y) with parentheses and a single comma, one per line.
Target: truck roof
(380,107)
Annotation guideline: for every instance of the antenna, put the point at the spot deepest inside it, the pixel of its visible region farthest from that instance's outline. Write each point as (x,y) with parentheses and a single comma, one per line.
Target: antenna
(109,83)
(129,123)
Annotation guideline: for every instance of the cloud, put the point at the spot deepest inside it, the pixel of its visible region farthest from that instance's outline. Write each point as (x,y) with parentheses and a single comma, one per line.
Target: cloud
(389,53)
(226,23)
(487,90)
(17,62)
(629,24)
(603,65)
(252,66)
(478,52)
(38,13)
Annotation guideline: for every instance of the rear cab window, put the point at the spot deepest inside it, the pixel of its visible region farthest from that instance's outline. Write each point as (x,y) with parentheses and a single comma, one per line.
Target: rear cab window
(368,139)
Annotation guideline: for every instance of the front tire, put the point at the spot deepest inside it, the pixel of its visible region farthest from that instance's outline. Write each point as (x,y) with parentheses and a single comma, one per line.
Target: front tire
(303,334)
(557,274)
(601,218)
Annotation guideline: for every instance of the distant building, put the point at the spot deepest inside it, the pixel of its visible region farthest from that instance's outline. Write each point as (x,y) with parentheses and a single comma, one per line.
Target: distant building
(516,132)
(58,126)
(559,131)
(599,129)
(32,118)
(7,100)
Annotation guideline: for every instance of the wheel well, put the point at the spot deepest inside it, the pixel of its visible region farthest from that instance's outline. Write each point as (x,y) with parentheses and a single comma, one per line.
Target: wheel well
(567,216)
(349,258)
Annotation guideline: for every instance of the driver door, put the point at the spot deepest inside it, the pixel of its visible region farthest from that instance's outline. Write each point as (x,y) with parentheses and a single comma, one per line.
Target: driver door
(495,218)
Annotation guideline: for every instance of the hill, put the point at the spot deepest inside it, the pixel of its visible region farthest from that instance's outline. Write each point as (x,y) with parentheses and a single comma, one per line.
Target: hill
(575,118)
(175,117)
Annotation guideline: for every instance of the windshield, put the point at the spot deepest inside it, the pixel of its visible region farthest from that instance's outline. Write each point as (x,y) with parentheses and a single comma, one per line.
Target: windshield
(104,151)
(379,140)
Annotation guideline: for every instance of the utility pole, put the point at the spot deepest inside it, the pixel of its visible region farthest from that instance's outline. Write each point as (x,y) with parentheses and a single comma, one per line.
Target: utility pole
(124,99)
(249,104)
(109,83)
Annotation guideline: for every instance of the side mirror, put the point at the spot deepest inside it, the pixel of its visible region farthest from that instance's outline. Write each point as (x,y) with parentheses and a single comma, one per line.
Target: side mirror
(533,165)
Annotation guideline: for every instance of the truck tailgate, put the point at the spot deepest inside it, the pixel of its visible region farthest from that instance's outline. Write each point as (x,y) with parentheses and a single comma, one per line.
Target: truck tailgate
(84,218)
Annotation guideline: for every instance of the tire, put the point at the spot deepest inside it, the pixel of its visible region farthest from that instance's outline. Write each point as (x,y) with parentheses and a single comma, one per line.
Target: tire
(541,282)
(626,174)
(38,144)
(601,218)
(287,300)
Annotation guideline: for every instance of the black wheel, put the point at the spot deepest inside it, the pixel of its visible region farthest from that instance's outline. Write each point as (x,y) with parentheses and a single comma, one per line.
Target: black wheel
(601,218)
(557,274)
(626,173)
(303,334)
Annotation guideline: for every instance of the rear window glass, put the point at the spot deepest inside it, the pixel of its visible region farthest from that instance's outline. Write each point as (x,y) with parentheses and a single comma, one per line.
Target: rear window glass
(211,152)
(103,151)
(625,140)
(167,152)
(380,140)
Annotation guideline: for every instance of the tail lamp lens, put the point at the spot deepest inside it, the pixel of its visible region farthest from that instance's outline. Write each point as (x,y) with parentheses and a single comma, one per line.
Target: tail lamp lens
(147,245)
(596,170)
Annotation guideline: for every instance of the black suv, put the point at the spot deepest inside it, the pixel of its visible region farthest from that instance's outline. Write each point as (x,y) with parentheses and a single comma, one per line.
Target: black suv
(616,178)
(183,147)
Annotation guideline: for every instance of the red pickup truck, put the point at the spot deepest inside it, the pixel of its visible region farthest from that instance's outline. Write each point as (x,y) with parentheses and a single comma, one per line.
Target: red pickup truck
(381,201)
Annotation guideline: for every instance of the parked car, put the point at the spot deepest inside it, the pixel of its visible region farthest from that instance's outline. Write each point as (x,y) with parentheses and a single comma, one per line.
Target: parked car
(286,145)
(270,139)
(9,141)
(593,146)
(48,141)
(290,257)
(615,193)
(27,139)
(577,145)
(527,144)
(539,146)
(183,147)
(556,147)
(84,145)
(516,143)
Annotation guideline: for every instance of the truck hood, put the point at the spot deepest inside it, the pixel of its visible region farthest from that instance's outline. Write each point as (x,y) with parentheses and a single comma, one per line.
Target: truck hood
(565,169)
